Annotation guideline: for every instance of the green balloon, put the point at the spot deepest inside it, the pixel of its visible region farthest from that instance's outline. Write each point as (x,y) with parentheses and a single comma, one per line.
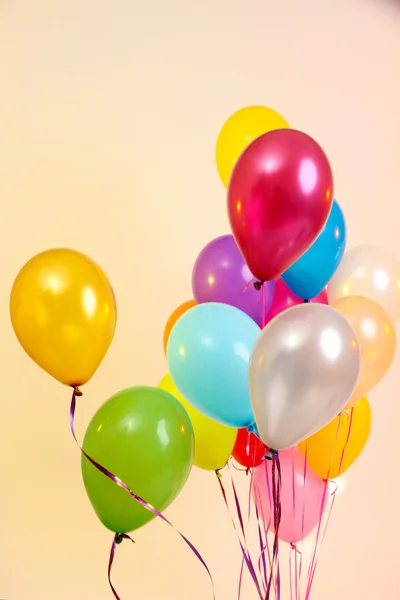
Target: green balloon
(144,436)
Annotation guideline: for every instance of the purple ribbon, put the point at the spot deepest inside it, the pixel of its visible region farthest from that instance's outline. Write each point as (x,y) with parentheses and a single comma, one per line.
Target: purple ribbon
(119,537)
(245,552)
(276,495)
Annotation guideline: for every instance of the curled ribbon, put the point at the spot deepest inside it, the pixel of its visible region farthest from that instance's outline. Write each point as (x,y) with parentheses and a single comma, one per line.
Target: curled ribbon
(119,537)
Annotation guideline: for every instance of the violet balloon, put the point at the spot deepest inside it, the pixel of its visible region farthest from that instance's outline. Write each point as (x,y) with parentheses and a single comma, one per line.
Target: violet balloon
(279,199)
(303,496)
(220,274)
(284,299)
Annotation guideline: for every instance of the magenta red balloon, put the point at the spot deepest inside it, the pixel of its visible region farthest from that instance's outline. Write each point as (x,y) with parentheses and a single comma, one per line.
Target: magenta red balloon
(284,298)
(279,198)
(303,496)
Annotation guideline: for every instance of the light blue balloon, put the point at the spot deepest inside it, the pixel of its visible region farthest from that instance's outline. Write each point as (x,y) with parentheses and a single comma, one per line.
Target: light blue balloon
(208,355)
(308,276)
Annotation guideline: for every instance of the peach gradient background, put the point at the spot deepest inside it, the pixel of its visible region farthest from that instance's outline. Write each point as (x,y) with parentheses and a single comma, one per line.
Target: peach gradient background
(109,111)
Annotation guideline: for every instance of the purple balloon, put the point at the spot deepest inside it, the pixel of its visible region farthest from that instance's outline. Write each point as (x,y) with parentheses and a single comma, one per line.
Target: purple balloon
(220,274)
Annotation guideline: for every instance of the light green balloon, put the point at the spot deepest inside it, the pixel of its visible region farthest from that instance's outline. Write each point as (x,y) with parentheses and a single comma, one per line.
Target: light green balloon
(144,436)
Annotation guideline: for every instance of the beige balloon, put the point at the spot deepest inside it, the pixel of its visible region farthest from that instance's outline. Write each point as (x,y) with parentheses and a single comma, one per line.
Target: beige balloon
(372,272)
(376,337)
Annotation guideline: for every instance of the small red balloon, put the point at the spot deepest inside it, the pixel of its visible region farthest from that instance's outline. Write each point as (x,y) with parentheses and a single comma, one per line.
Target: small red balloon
(249,451)
(279,198)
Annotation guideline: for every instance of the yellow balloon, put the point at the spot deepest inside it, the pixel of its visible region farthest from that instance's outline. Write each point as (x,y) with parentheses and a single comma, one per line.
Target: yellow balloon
(63,312)
(333,449)
(242,128)
(377,340)
(213,442)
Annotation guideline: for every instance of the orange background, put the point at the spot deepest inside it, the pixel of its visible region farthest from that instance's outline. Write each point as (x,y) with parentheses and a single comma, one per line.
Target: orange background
(109,111)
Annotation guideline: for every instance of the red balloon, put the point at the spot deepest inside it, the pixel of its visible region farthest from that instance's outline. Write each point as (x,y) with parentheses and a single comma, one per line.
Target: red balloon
(284,298)
(279,198)
(249,451)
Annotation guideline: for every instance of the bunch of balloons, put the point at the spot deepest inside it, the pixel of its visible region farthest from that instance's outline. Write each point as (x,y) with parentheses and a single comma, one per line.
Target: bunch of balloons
(274,355)
(286,333)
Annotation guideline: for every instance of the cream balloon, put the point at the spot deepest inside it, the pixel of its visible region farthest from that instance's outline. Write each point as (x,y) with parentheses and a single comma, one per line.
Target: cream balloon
(302,372)
(372,272)
(377,339)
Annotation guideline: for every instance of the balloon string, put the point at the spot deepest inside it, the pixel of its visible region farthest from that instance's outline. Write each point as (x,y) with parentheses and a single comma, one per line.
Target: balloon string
(138,499)
(271,507)
(118,537)
(316,551)
(276,496)
(263,313)
(245,553)
(263,546)
(303,521)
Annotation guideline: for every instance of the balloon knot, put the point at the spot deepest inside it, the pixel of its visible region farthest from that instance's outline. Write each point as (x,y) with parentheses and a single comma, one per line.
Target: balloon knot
(270,454)
(77,391)
(218,474)
(119,538)
(306,301)
(258,285)
(248,471)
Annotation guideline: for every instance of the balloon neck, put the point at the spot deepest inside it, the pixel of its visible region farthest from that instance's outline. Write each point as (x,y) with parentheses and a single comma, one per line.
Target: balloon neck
(258,285)
(306,301)
(252,428)
(119,538)
(218,474)
(77,391)
(270,454)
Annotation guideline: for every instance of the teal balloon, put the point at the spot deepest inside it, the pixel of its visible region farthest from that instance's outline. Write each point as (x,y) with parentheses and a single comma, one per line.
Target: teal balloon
(308,276)
(208,356)
(144,436)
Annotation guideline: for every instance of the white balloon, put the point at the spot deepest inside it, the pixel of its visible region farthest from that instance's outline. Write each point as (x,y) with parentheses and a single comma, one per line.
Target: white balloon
(302,372)
(371,272)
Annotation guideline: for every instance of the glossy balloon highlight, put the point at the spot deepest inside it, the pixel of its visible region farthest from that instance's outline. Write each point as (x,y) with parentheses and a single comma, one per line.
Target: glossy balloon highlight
(309,275)
(303,370)
(279,199)
(144,436)
(377,340)
(208,357)
(372,272)
(64,314)
(220,274)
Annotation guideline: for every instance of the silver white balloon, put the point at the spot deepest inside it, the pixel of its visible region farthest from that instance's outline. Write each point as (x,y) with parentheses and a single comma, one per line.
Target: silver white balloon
(372,272)
(302,372)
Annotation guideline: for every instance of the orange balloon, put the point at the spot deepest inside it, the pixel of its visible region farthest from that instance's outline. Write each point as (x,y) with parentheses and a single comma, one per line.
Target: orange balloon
(333,449)
(178,312)
(377,340)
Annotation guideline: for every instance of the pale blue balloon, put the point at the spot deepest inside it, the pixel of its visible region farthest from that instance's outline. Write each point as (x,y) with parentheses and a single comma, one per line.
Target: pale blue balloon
(208,355)
(308,276)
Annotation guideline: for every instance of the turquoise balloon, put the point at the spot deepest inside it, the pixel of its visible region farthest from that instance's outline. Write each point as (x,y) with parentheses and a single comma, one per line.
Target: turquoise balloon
(308,276)
(208,355)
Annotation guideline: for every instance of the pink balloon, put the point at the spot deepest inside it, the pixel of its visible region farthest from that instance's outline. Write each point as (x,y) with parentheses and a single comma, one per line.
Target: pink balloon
(284,298)
(302,498)
(279,198)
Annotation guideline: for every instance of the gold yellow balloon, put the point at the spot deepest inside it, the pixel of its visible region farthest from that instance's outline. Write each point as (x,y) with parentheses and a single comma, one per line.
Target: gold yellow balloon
(333,449)
(243,127)
(213,442)
(63,312)
(377,340)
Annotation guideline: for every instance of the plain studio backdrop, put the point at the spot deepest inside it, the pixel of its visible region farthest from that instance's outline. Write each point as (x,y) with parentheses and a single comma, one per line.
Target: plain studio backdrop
(109,112)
